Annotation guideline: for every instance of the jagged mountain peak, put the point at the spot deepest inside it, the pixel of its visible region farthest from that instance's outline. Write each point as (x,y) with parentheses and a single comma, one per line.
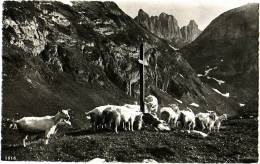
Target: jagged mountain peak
(192,23)
(166,26)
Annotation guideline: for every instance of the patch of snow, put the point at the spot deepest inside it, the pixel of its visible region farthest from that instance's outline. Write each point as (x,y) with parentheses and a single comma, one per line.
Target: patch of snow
(181,75)
(241,105)
(217,91)
(194,104)
(208,70)
(179,101)
(217,80)
(173,47)
(240,117)
(221,60)
(251,116)
(28,80)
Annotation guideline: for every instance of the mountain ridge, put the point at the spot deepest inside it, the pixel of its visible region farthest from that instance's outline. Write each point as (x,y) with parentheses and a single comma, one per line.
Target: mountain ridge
(166,26)
(229,47)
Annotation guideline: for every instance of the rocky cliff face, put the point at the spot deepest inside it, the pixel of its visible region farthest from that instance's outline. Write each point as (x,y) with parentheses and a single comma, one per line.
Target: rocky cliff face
(86,55)
(190,32)
(226,54)
(166,26)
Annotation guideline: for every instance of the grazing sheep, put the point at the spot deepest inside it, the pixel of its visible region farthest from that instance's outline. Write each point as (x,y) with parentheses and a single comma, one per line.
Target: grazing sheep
(95,116)
(128,116)
(207,120)
(138,115)
(170,115)
(152,104)
(34,125)
(111,116)
(124,114)
(219,120)
(187,118)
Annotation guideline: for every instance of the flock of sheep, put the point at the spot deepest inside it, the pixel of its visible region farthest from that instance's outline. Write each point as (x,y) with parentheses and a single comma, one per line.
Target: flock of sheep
(125,117)
(165,118)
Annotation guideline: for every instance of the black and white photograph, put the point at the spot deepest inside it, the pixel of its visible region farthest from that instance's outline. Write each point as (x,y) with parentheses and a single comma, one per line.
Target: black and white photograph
(136,81)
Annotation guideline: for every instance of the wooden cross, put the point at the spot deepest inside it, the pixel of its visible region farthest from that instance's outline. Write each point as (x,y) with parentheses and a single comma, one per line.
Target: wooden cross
(142,81)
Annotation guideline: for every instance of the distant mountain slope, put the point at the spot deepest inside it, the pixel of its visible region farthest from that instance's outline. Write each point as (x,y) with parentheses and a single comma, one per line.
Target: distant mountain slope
(166,26)
(227,51)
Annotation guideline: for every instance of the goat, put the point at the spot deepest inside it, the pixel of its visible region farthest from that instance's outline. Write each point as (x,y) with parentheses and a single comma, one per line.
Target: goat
(171,115)
(207,120)
(187,117)
(95,116)
(218,121)
(152,104)
(47,124)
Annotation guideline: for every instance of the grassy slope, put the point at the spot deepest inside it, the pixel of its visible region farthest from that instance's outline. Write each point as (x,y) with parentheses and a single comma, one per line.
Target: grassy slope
(237,142)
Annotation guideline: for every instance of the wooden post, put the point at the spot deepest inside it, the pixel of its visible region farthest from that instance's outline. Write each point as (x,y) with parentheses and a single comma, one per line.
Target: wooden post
(142,84)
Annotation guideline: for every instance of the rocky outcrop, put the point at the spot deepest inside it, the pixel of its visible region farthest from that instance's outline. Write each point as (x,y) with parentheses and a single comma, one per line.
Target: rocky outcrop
(166,26)
(227,53)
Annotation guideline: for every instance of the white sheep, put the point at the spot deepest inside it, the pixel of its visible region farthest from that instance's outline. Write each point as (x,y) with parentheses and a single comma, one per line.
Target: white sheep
(207,120)
(47,124)
(152,104)
(133,107)
(136,114)
(218,121)
(95,116)
(111,115)
(187,117)
(128,116)
(172,115)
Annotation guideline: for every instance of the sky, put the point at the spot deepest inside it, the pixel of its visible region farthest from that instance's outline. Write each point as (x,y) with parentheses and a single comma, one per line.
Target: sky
(202,11)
